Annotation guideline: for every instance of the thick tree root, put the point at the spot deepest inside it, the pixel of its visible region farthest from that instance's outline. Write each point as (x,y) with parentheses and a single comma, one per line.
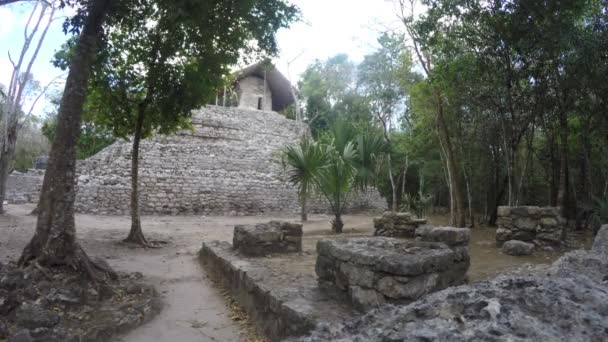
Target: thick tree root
(97,270)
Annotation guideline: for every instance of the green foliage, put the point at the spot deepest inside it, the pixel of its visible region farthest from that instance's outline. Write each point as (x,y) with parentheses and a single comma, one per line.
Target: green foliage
(330,93)
(92,138)
(334,165)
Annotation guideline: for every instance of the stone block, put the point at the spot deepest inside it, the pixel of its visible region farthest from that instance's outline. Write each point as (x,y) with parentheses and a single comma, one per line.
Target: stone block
(381,269)
(517,248)
(449,235)
(400,224)
(268,238)
(504,211)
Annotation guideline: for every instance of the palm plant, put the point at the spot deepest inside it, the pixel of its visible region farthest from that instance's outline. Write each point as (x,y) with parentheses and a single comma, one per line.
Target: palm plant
(336,179)
(303,162)
(341,160)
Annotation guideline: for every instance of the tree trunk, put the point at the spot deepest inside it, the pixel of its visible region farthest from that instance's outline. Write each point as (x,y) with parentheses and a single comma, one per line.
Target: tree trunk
(336,224)
(54,242)
(136,235)
(6,156)
(393,187)
(303,213)
(456,181)
(563,193)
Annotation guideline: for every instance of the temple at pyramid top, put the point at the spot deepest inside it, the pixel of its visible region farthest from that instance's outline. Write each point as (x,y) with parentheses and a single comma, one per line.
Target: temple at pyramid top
(260,86)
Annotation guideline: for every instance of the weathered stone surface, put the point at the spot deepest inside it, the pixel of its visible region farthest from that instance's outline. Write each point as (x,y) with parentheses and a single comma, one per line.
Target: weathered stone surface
(566,302)
(279,304)
(399,224)
(22,336)
(517,248)
(542,226)
(23,187)
(449,235)
(228,164)
(600,244)
(268,238)
(396,270)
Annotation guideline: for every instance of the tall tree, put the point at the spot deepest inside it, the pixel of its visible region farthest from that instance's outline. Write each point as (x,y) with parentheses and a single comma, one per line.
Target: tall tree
(54,242)
(381,78)
(422,39)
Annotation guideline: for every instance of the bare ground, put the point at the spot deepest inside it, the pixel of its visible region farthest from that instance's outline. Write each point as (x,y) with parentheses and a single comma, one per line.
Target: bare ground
(195,310)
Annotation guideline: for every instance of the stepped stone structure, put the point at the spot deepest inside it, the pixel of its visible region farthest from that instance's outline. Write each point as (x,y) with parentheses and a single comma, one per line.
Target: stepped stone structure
(227,164)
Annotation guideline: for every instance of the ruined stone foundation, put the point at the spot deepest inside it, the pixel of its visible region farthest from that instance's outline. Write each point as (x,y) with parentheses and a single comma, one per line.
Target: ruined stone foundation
(227,164)
(542,226)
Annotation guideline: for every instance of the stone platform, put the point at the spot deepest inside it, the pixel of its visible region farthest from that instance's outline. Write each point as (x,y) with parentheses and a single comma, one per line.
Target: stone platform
(396,225)
(280,305)
(268,238)
(376,270)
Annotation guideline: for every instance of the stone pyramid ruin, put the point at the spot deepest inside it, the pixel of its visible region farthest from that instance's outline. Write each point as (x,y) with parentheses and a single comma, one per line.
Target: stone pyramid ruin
(228,164)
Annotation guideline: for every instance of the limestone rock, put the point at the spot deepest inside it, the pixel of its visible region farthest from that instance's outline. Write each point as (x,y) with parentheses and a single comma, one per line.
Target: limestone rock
(400,224)
(449,235)
(565,303)
(517,248)
(267,238)
(379,269)
(22,336)
(600,244)
(542,226)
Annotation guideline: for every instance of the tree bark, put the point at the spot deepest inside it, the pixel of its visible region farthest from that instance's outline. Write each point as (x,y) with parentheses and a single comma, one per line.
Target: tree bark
(54,242)
(337,224)
(563,193)
(136,235)
(393,187)
(304,212)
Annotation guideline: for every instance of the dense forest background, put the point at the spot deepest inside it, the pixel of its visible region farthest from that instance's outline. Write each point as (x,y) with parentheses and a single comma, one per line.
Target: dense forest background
(488,103)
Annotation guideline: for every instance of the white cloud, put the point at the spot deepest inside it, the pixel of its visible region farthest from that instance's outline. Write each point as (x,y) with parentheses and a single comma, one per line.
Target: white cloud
(330,27)
(7,18)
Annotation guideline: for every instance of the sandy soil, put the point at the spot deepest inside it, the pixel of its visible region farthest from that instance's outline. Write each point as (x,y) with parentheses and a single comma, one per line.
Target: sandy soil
(194,309)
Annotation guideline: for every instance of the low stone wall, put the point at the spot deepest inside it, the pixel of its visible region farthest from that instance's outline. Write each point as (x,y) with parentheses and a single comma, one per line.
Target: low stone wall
(280,305)
(543,226)
(397,225)
(380,269)
(563,302)
(268,238)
